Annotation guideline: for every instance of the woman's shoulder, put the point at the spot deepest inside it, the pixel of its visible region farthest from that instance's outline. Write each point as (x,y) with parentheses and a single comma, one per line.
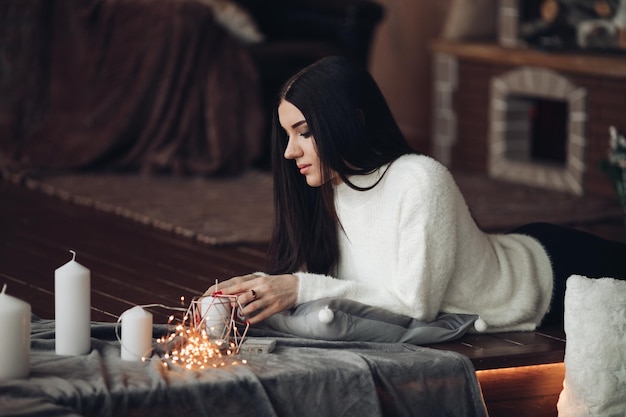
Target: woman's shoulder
(414,172)
(417,167)
(418,160)
(422,181)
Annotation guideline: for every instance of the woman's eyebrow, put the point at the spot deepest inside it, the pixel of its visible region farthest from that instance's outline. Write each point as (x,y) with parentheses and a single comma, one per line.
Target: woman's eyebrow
(293,126)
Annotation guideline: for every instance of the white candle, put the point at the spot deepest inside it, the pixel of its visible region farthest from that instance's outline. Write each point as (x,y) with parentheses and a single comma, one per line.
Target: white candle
(136,334)
(15,330)
(72,308)
(216,313)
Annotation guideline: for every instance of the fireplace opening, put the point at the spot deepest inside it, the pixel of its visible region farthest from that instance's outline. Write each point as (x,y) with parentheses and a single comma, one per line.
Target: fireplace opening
(536,129)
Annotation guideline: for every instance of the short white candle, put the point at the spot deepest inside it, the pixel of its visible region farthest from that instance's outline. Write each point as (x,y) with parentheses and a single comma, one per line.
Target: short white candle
(72,308)
(216,313)
(136,334)
(15,330)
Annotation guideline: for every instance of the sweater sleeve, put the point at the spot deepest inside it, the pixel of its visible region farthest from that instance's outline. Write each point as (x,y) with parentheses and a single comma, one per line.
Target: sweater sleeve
(416,276)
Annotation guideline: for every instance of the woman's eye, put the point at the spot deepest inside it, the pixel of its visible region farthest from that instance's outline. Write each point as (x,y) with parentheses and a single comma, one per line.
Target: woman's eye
(306,134)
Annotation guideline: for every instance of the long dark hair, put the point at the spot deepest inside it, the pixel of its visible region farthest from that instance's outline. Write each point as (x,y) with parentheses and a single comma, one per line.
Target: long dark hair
(355,133)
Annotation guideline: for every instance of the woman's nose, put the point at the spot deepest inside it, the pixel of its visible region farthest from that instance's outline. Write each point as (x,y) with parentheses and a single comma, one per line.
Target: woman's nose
(292,151)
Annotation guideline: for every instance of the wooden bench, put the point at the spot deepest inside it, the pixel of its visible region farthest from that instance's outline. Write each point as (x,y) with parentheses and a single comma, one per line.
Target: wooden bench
(521,373)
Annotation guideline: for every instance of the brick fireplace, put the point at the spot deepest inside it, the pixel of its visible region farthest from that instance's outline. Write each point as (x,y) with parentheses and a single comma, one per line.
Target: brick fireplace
(520,100)
(527,116)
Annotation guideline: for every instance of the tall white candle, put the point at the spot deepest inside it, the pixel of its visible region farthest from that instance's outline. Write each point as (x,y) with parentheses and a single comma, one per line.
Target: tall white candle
(15,330)
(72,309)
(136,334)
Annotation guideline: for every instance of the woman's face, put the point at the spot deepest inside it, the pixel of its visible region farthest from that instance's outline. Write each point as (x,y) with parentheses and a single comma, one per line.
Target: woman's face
(301,145)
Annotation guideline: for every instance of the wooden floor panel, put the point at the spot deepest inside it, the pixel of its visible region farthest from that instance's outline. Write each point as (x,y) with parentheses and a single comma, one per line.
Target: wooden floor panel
(130,263)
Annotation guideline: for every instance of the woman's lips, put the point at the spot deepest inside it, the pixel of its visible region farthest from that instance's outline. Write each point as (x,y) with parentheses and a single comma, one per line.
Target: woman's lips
(304,169)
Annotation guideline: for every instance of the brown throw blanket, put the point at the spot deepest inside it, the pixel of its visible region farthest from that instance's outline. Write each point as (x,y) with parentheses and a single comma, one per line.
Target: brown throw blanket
(151,85)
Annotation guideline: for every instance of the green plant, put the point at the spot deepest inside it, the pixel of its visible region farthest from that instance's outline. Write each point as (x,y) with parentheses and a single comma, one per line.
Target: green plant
(615,164)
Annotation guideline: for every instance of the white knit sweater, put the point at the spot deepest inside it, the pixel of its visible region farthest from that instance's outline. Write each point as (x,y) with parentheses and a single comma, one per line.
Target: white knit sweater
(410,245)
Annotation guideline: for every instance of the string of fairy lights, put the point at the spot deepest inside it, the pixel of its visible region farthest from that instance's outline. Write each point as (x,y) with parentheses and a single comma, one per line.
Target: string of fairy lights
(209,334)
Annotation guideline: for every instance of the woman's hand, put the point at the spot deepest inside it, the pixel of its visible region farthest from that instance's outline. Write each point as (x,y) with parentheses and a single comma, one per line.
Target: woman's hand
(260,295)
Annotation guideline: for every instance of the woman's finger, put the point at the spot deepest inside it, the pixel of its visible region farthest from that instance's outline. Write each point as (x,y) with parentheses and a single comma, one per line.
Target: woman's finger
(247,297)
(229,286)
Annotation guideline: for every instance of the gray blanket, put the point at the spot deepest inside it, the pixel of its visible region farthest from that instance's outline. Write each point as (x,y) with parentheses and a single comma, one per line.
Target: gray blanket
(300,377)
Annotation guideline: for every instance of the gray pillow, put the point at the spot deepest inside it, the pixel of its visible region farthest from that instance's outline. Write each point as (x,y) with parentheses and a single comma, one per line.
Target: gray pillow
(347,320)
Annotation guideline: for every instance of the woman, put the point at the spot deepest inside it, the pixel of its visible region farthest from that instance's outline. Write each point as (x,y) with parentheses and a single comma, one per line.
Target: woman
(359,215)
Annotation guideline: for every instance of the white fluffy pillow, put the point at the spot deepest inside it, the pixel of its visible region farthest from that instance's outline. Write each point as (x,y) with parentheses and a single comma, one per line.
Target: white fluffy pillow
(595,350)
